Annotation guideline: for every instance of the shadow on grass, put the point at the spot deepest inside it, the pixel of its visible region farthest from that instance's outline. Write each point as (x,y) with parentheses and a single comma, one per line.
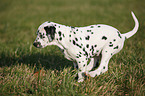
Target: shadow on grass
(36,59)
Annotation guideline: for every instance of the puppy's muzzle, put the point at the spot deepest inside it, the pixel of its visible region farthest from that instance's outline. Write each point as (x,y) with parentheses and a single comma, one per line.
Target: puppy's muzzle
(37,44)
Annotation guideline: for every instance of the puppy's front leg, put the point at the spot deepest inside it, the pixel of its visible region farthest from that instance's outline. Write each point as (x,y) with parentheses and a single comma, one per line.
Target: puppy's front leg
(82,68)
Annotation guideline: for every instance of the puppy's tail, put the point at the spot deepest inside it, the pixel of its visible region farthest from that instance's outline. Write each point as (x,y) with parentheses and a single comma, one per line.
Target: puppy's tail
(131,33)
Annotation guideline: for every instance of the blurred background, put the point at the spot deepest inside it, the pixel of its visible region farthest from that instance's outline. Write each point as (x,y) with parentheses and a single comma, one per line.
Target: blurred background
(19,19)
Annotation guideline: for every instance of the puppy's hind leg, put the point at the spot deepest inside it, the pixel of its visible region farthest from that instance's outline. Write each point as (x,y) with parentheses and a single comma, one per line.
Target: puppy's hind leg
(107,53)
(103,66)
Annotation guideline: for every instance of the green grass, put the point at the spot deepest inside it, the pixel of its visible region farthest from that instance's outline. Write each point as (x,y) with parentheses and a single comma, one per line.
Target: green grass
(19,60)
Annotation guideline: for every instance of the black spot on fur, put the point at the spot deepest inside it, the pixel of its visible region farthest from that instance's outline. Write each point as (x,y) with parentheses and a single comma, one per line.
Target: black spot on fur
(115,47)
(88,30)
(50,32)
(85,52)
(76,39)
(60,38)
(99,26)
(87,45)
(92,47)
(78,45)
(104,67)
(92,26)
(63,35)
(72,27)
(62,50)
(111,45)
(92,50)
(95,46)
(87,38)
(83,49)
(74,42)
(119,34)
(104,38)
(59,33)
(88,62)
(90,56)
(77,56)
(41,36)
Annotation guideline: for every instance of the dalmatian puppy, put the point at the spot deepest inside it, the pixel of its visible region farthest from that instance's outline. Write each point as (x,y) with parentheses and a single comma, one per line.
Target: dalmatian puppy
(83,45)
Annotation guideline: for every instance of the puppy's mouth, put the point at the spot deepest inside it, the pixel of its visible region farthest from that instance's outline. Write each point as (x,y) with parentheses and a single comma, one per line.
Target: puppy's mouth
(37,44)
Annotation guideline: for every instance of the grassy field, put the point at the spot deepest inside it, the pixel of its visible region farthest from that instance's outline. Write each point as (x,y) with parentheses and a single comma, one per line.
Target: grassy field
(19,60)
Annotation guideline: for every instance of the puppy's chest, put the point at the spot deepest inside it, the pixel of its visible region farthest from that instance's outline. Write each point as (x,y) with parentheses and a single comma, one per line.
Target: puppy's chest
(68,54)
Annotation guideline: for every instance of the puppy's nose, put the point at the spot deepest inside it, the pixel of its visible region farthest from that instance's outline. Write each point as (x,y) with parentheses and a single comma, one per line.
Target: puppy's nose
(37,44)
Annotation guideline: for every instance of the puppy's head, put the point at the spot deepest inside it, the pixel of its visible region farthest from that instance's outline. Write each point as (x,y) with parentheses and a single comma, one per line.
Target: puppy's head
(45,35)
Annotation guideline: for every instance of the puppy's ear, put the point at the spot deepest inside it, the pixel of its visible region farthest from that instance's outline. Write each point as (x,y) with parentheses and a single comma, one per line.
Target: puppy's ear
(50,32)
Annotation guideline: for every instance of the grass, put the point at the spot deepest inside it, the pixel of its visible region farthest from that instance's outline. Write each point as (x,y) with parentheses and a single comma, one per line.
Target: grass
(19,60)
